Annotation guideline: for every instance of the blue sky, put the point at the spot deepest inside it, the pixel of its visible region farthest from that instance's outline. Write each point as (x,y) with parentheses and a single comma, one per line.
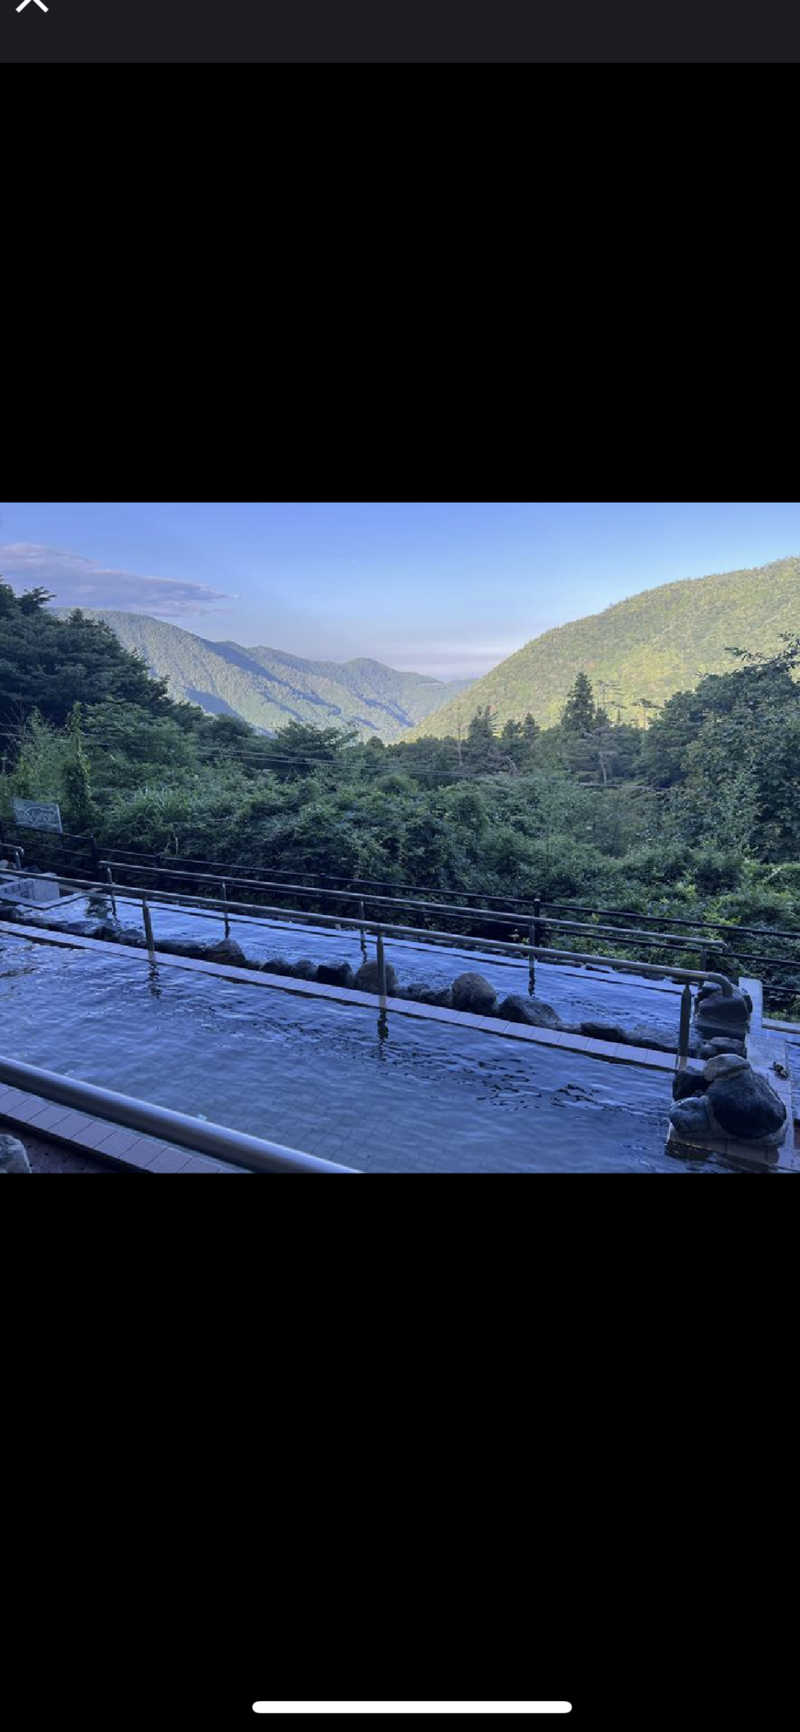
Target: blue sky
(447,589)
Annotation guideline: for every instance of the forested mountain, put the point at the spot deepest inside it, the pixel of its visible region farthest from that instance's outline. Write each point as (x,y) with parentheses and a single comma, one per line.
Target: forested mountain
(269,688)
(647,647)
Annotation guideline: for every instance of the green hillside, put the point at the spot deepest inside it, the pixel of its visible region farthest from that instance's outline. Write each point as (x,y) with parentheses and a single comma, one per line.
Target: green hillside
(269,688)
(650,646)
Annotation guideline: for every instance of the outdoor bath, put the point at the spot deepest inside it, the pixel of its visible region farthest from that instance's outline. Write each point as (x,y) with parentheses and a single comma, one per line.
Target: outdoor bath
(429,1097)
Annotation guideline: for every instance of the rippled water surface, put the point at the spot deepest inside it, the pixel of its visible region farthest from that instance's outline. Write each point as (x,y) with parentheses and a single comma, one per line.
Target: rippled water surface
(430,1097)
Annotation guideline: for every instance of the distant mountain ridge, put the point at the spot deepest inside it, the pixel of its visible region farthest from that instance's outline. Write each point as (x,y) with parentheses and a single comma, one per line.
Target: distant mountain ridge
(269,687)
(649,646)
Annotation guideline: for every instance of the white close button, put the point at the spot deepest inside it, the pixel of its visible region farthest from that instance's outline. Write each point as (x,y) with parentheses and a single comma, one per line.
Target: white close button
(39,3)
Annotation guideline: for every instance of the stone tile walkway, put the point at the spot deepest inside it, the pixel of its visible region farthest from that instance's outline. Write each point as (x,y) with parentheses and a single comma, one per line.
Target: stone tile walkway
(79,1132)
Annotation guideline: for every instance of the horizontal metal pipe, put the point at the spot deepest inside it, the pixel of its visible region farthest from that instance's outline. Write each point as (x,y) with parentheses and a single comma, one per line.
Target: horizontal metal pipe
(488,896)
(203,1138)
(497,915)
(660,970)
(652,940)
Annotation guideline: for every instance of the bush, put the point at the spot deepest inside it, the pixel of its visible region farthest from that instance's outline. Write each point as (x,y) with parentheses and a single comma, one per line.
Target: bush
(716,869)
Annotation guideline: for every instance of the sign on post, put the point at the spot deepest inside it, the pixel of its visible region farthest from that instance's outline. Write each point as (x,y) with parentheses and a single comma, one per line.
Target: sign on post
(38,814)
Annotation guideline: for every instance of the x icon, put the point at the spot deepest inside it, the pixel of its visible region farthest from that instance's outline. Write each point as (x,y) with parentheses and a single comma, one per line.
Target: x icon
(39,3)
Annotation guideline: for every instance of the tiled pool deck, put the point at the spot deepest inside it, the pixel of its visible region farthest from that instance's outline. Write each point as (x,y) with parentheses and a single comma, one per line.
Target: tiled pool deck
(129,1150)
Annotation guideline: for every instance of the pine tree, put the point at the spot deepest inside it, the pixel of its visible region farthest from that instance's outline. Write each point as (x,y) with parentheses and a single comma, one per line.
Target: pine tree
(578,714)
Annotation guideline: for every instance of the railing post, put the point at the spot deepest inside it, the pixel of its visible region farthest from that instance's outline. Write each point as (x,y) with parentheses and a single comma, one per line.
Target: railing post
(113,897)
(383,1020)
(225,900)
(381,971)
(683,1031)
(537,929)
(148,932)
(531,973)
(363,936)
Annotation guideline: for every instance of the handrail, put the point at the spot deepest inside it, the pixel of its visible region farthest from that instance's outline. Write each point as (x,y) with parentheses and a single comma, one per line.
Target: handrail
(495,914)
(230,868)
(236,1147)
(665,940)
(168,898)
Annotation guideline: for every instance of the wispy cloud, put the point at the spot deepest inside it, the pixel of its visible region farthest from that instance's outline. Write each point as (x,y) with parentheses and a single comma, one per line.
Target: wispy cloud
(447,660)
(80,582)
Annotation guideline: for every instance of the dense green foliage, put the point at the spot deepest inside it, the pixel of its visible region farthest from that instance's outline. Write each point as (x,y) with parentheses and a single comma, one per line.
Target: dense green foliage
(694,817)
(640,651)
(269,688)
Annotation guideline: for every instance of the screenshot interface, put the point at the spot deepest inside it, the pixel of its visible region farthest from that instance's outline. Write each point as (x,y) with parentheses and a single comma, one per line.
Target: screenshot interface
(259,31)
(244,31)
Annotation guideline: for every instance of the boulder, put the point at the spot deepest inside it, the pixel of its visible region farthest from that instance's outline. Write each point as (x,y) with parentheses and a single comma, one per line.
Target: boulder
(723,1043)
(692,1117)
(745,1106)
(515,1008)
(8,910)
(424,994)
(278,965)
(335,974)
(472,993)
(77,928)
(225,950)
(687,1082)
(303,970)
(367,977)
(654,1037)
(736,1102)
(13,1155)
(603,1031)
(716,1014)
(180,947)
(723,1064)
(114,932)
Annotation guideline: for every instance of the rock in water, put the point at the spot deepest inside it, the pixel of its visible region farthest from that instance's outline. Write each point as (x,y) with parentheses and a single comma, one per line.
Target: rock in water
(692,1117)
(472,993)
(745,1106)
(717,1014)
(603,1031)
(13,1155)
(654,1037)
(440,995)
(737,1103)
(225,950)
(335,974)
(367,977)
(723,1064)
(181,947)
(515,1008)
(687,1082)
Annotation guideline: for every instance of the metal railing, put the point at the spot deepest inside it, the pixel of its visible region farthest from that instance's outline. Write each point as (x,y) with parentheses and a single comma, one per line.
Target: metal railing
(498,917)
(235,1147)
(254,914)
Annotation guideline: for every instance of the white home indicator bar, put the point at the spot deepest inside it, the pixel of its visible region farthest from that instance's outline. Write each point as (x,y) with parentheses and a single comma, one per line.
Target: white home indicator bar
(412,1707)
